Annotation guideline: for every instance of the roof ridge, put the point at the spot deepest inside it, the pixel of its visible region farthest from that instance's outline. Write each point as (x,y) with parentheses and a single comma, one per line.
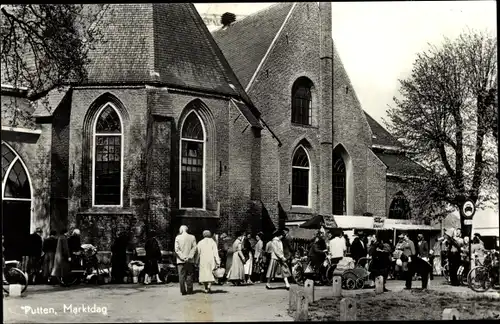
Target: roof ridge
(278,33)
(224,64)
(258,12)
(255,14)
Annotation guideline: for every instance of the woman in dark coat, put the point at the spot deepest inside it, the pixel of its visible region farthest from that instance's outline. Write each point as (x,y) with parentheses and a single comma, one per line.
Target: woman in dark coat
(381,260)
(62,257)
(49,249)
(153,255)
(317,252)
(119,258)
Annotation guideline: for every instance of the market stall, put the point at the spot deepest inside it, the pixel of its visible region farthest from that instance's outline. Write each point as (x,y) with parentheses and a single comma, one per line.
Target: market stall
(398,226)
(486,223)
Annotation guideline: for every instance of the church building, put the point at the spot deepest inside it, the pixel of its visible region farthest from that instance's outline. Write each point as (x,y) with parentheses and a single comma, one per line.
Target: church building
(250,128)
(334,159)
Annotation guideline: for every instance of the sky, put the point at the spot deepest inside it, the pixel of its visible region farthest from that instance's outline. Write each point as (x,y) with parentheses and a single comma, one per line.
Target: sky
(378,41)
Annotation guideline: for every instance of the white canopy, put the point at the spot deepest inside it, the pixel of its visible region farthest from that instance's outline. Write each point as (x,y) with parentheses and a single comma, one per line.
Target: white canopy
(357,222)
(485,222)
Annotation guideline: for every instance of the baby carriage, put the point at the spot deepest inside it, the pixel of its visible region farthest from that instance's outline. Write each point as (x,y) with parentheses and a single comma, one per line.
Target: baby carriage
(84,267)
(168,267)
(356,277)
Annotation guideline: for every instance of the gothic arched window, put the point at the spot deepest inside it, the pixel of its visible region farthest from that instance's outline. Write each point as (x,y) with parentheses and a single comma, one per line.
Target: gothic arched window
(108,158)
(192,162)
(302,101)
(339,186)
(301,178)
(400,207)
(16,203)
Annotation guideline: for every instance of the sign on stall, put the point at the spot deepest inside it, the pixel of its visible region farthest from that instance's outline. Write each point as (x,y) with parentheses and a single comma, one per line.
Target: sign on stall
(378,222)
(329,221)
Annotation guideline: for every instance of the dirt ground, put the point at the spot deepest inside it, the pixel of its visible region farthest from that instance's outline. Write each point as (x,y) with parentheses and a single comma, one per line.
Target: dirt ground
(408,305)
(164,303)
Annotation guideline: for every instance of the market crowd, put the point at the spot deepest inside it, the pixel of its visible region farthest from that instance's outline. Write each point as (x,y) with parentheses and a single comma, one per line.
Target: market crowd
(246,258)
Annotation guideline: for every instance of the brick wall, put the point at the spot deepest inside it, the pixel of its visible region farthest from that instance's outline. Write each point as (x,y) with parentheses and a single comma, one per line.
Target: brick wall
(352,131)
(376,193)
(270,173)
(241,140)
(132,104)
(296,53)
(60,165)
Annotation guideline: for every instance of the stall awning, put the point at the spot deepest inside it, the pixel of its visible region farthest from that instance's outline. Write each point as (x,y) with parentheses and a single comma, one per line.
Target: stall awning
(302,233)
(354,222)
(409,227)
(486,222)
(487,231)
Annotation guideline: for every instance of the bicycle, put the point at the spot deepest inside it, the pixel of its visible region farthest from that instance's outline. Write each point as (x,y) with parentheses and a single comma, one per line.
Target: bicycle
(14,275)
(483,277)
(462,279)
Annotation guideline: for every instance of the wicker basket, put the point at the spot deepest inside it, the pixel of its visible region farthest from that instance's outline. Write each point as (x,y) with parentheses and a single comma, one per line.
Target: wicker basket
(219,273)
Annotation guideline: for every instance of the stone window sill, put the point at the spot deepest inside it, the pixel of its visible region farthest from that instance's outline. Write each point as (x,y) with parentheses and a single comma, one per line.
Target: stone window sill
(303,125)
(196,213)
(301,210)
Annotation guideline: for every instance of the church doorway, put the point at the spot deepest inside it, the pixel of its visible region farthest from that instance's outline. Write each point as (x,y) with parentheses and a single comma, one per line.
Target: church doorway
(16,204)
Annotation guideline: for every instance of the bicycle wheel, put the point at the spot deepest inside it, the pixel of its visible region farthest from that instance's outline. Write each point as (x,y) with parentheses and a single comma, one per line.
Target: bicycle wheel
(360,283)
(329,275)
(350,280)
(16,276)
(446,272)
(479,279)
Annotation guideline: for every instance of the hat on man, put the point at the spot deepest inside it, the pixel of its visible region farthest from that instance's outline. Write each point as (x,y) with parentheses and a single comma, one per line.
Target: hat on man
(401,235)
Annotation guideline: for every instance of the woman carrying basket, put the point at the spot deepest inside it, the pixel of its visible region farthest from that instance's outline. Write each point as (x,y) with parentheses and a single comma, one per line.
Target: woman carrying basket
(208,260)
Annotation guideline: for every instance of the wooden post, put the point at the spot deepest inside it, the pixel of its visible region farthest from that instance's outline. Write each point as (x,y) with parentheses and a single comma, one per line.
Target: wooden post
(379,285)
(15,290)
(347,309)
(337,286)
(294,291)
(302,312)
(309,290)
(451,314)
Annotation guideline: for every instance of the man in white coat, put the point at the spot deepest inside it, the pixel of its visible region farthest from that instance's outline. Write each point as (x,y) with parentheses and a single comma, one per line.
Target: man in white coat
(208,260)
(185,249)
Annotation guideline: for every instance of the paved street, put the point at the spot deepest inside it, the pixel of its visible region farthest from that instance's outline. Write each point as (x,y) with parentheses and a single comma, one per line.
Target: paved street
(160,303)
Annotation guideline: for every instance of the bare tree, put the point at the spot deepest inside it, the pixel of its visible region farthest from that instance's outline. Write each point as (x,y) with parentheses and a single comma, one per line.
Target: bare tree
(447,115)
(46,45)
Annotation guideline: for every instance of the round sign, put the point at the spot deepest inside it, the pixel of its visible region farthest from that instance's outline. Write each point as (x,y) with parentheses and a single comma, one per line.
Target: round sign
(468,209)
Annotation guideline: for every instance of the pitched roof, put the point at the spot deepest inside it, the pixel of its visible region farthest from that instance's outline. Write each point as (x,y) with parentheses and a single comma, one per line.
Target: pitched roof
(245,111)
(400,165)
(45,106)
(166,43)
(380,135)
(246,41)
